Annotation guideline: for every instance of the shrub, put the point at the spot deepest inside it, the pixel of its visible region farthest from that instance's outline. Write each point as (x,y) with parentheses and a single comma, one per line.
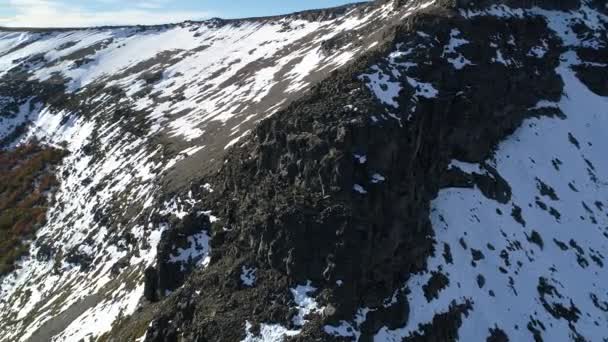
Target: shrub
(26,178)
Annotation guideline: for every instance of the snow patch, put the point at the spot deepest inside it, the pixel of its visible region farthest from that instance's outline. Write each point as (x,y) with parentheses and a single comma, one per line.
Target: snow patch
(248,276)
(358,188)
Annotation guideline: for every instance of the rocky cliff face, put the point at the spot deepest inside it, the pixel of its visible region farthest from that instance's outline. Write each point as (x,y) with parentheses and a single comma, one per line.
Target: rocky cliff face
(399,170)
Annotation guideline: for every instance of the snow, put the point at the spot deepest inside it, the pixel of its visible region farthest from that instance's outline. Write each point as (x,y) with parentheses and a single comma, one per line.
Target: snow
(346,329)
(465,167)
(236,140)
(304,303)
(574,238)
(8,126)
(563,23)
(71,198)
(211,80)
(181,156)
(197,252)
(213,61)
(538,51)
(500,59)
(383,87)
(563,241)
(231,74)
(361,159)
(142,338)
(423,89)
(101,317)
(377,178)
(459,61)
(309,62)
(358,188)
(387,79)
(268,333)
(122,53)
(204,77)
(248,276)
(500,11)
(41,287)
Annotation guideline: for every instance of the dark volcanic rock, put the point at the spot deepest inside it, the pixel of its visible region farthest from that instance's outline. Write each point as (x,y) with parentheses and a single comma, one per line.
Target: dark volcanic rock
(595,77)
(168,274)
(299,199)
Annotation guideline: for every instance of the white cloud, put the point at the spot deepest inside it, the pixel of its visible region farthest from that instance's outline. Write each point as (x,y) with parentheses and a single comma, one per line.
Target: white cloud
(54,13)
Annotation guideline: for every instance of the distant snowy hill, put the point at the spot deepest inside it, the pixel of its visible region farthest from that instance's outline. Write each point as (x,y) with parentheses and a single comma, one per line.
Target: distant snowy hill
(386,171)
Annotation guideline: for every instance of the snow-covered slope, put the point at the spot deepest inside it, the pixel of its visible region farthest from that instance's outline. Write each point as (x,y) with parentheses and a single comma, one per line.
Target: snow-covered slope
(534,266)
(531,266)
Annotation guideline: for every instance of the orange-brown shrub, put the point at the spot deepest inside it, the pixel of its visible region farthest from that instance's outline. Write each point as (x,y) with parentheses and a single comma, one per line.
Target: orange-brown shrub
(26,174)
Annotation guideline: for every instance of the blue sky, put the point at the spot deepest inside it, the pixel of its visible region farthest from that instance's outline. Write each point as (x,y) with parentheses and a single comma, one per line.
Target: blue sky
(71,13)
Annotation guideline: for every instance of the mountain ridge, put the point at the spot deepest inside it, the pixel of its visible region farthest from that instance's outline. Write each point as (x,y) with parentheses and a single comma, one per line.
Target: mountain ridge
(320,12)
